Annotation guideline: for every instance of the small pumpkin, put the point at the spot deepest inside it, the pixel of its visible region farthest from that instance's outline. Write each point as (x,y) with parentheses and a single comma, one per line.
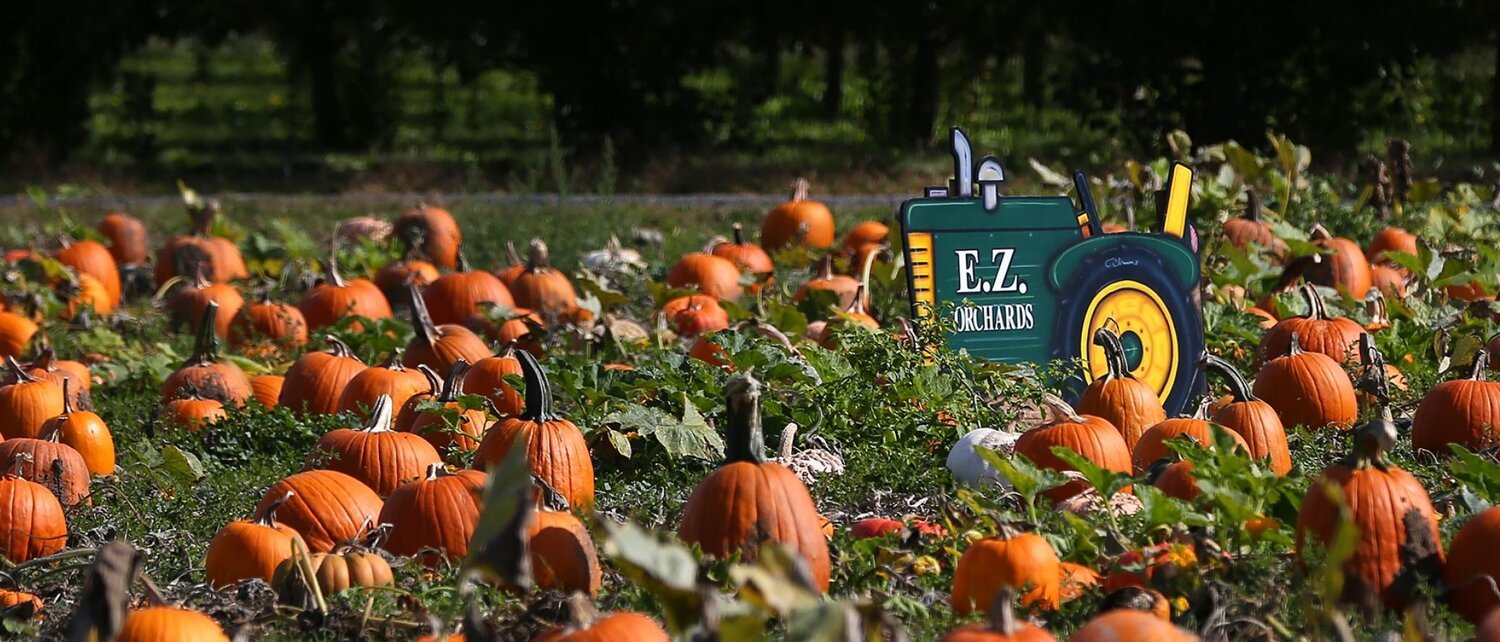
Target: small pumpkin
(1345,269)
(712,275)
(27,402)
(390,378)
(555,449)
(205,372)
(1252,419)
(266,389)
(169,624)
(392,278)
(843,287)
(456,296)
(749,500)
(381,458)
(472,422)
(1391,239)
(407,414)
(1388,281)
(542,288)
(127,238)
(83,294)
(11,599)
(60,371)
(434,230)
(327,507)
(1250,229)
(51,463)
(694,314)
(335,297)
(1092,437)
(1307,389)
(1336,337)
(439,346)
(502,327)
(858,240)
(249,548)
(92,258)
(562,552)
(798,222)
(852,316)
(1464,411)
(344,568)
(1385,503)
(181,253)
(84,431)
(33,517)
(487,377)
(16,332)
(193,412)
(1176,480)
(586,624)
(434,518)
(265,327)
(1118,397)
(1472,563)
(749,257)
(1010,559)
(316,381)
(1130,625)
(1153,443)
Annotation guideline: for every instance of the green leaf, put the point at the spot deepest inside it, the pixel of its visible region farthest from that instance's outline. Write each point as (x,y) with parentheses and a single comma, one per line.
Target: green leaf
(664,567)
(498,549)
(1028,479)
(619,442)
(1105,481)
(182,466)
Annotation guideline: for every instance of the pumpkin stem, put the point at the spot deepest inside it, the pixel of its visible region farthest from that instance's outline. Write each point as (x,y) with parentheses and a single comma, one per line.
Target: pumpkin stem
(1003,614)
(1252,206)
(18,462)
(436,470)
(337,347)
(17,371)
(538,390)
(1202,412)
(548,497)
(1058,411)
(67,386)
(1316,309)
(746,438)
(823,270)
(206,347)
(380,415)
(331,269)
(453,384)
(1114,354)
(267,517)
(434,383)
(788,437)
(581,612)
(536,261)
(393,362)
(1294,345)
(738,234)
(511,256)
(463,262)
(1238,386)
(1320,233)
(1375,307)
(421,319)
(1372,441)
(1481,361)
(799,189)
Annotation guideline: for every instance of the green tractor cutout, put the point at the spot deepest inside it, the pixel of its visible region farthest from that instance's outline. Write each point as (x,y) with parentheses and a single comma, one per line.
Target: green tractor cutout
(1032,278)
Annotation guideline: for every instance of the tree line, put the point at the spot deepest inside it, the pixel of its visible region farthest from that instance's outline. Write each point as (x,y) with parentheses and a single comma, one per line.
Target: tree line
(621,68)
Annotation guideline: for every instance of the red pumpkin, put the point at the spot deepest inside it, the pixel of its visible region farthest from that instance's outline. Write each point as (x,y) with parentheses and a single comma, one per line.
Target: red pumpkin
(1336,337)
(1463,411)
(1118,397)
(555,449)
(1307,389)
(316,381)
(798,222)
(335,297)
(1252,419)
(205,372)
(871,527)
(750,500)
(438,512)
(327,507)
(714,276)
(1093,438)
(381,458)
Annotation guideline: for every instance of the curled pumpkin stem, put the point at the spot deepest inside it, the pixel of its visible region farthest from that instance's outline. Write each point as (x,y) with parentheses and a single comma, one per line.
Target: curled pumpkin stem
(1238,386)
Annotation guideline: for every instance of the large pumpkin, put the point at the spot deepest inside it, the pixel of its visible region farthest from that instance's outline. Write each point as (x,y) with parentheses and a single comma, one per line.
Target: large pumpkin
(712,275)
(434,427)
(93,259)
(27,402)
(456,296)
(249,548)
(51,463)
(205,372)
(1093,438)
(389,379)
(1250,229)
(434,230)
(1472,565)
(127,238)
(335,297)
(33,519)
(439,346)
(438,512)
(169,624)
(265,327)
(1464,411)
(798,222)
(86,432)
(1386,504)
(1318,331)
(1011,560)
(749,499)
(1307,389)
(374,454)
(1252,419)
(562,552)
(1118,397)
(316,381)
(555,449)
(327,507)
(1153,443)
(544,289)
(1346,268)
(1003,626)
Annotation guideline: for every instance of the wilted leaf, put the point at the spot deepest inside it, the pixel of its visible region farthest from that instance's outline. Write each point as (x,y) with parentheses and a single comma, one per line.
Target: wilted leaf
(498,549)
(183,466)
(106,594)
(778,581)
(664,567)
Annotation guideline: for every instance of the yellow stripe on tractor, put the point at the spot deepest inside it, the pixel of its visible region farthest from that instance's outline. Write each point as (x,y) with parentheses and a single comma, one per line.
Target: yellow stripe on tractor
(919,246)
(1179,191)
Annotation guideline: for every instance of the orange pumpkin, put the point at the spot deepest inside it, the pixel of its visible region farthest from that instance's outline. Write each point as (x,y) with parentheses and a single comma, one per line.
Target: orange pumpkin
(164,623)
(1381,500)
(1001,627)
(1252,419)
(588,625)
(456,296)
(1092,437)
(555,449)
(843,287)
(205,372)
(93,259)
(264,327)
(517,325)
(10,599)
(1388,281)
(188,303)
(472,423)
(438,512)
(748,256)
(1318,331)
(344,568)
(16,332)
(694,314)
(1011,560)
(327,507)
(798,222)
(750,500)
(392,278)
(127,238)
(249,548)
(543,289)
(1118,397)
(439,346)
(381,458)
(1307,389)
(1464,411)
(714,276)
(73,375)
(267,389)
(434,230)
(861,237)
(193,412)
(1489,628)
(1153,443)
(86,433)
(1345,269)
(1130,625)
(181,253)
(34,521)
(1077,579)
(27,403)
(1176,480)
(335,297)
(487,377)
(390,379)
(51,463)
(1250,229)
(1472,563)
(316,381)
(562,552)
(1391,239)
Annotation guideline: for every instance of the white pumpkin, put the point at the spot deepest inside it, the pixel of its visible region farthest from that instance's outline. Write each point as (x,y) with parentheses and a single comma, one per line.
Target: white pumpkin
(966,464)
